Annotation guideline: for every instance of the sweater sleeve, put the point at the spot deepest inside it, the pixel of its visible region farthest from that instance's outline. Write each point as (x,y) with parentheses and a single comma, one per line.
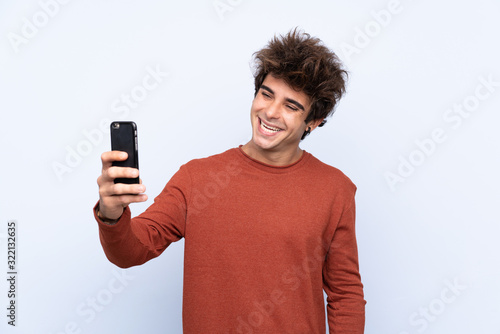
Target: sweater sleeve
(342,281)
(134,241)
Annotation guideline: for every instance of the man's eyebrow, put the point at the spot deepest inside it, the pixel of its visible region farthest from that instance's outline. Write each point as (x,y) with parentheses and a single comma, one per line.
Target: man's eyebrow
(267,88)
(297,104)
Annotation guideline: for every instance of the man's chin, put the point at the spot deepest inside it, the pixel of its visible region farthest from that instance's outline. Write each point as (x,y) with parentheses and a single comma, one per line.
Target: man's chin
(264,143)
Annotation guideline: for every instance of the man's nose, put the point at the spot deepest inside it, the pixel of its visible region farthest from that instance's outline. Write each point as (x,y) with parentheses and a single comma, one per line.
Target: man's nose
(273,110)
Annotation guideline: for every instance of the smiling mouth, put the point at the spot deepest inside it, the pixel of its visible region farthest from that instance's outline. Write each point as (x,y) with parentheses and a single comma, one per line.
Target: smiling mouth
(268,129)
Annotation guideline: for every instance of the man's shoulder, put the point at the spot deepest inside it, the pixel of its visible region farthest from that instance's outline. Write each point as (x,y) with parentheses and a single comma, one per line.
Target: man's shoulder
(329,173)
(218,160)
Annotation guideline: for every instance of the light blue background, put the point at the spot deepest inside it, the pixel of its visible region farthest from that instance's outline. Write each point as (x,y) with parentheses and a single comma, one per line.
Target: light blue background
(439,225)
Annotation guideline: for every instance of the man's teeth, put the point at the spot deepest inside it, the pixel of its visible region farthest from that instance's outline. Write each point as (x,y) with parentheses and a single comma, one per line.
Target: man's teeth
(269,128)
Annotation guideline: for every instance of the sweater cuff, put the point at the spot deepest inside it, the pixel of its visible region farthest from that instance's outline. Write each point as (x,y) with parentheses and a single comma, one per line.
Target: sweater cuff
(126,215)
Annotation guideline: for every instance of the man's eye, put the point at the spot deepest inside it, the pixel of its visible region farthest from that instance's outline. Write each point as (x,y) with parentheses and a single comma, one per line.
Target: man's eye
(266,94)
(292,107)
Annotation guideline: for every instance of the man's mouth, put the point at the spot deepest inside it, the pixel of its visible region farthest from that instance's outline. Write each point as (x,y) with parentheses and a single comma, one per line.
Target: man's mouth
(268,129)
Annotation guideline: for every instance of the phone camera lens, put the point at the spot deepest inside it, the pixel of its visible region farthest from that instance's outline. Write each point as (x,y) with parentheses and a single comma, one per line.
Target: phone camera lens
(116,125)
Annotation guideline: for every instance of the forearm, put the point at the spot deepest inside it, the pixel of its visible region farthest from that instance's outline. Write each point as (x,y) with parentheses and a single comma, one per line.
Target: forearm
(342,281)
(121,243)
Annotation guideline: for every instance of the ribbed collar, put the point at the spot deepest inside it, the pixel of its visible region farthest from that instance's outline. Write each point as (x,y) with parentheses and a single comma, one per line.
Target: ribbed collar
(271,168)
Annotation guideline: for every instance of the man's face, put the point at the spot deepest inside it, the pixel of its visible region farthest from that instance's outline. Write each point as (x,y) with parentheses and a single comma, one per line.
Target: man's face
(277,115)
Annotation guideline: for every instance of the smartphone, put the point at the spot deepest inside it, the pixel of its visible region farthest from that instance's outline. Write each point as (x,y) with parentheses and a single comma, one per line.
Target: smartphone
(124,138)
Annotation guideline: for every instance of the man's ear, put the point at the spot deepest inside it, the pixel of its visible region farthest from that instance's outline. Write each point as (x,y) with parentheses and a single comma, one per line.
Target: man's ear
(314,124)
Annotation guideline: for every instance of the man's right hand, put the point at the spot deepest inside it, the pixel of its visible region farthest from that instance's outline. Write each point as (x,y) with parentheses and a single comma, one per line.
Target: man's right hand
(113,198)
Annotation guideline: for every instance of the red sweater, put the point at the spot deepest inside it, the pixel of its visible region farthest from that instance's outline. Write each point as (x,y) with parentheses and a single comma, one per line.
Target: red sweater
(261,244)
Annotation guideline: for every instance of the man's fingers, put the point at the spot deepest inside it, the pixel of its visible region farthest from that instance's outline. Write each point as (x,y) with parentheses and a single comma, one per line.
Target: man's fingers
(124,200)
(122,189)
(114,197)
(107,158)
(109,174)
(119,172)
(135,198)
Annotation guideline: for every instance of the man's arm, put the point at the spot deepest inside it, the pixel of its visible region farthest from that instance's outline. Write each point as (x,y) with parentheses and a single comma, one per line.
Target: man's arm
(342,282)
(132,241)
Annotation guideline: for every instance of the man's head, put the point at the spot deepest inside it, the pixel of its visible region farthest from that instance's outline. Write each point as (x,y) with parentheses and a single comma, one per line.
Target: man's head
(307,66)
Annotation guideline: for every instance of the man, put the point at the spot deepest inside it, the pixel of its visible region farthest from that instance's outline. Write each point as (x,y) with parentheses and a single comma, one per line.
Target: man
(267,226)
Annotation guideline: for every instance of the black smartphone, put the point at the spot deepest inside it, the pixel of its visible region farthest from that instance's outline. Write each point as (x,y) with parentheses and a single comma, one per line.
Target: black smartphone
(124,138)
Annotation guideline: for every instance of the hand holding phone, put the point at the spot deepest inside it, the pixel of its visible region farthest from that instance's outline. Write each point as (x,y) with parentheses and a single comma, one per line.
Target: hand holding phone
(120,186)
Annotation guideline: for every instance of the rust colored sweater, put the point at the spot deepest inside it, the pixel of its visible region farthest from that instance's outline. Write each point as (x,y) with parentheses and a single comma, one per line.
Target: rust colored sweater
(261,244)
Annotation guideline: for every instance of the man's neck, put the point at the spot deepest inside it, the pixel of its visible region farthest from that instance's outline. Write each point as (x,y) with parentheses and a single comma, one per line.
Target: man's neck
(272,157)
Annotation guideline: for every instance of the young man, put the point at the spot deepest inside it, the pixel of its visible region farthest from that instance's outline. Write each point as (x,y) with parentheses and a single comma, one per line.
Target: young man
(267,226)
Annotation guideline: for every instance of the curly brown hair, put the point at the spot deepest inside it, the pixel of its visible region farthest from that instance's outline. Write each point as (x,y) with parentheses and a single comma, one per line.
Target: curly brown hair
(305,64)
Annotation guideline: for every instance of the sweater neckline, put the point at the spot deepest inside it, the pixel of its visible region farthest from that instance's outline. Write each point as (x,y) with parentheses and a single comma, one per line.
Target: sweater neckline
(272,168)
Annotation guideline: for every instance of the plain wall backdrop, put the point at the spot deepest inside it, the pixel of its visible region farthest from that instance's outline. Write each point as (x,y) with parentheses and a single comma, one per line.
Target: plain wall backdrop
(417,132)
